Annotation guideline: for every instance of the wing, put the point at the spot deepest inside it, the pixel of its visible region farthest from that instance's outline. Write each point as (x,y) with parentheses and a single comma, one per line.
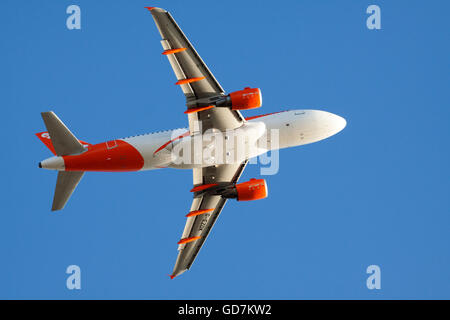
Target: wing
(205,210)
(199,86)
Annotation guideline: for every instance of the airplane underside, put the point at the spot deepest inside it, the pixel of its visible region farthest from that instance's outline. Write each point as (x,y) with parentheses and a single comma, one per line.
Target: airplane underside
(216,146)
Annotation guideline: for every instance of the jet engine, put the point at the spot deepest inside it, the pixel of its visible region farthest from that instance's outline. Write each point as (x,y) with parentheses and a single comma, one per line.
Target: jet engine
(248,98)
(254,189)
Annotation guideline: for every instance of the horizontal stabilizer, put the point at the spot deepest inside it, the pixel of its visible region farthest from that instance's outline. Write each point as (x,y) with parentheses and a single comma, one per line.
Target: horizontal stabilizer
(65,185)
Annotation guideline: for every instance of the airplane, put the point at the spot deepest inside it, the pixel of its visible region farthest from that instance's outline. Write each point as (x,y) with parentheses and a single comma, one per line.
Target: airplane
(210,110)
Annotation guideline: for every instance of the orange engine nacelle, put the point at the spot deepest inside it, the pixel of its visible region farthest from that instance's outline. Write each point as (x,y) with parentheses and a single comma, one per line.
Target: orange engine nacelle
(254,189)
(246,99)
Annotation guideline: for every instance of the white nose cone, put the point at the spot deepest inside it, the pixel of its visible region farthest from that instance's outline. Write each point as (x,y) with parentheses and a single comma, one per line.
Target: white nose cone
(329,123)
(53,163)
(337,123)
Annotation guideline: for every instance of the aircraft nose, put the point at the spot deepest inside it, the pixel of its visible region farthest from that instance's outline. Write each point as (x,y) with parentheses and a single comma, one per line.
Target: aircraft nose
(337,122)
(331,122)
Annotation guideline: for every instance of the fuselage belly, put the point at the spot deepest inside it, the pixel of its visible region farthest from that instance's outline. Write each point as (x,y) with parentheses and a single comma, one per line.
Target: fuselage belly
(179,149)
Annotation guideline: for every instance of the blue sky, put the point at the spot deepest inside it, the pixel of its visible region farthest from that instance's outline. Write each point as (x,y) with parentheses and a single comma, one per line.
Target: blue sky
(376,193)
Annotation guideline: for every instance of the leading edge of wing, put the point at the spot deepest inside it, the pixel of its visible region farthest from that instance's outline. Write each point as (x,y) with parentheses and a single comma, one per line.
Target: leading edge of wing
(192,73)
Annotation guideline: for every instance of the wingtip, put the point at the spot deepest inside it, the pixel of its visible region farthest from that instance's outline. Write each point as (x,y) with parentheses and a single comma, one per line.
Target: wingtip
(176,272)
(156,9)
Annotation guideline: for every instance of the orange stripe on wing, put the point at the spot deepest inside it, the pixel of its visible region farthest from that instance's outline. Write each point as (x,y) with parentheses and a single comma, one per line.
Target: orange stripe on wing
(187,240)
(170,51)
(189,80)
(198,212)
(192,110)
(203,187)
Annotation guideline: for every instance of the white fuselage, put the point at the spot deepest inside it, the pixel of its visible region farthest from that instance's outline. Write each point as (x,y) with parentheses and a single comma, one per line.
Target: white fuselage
(178,149)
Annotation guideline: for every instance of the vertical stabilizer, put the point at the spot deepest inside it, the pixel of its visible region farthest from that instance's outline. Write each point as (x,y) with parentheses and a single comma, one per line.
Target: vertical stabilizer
(64,142)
